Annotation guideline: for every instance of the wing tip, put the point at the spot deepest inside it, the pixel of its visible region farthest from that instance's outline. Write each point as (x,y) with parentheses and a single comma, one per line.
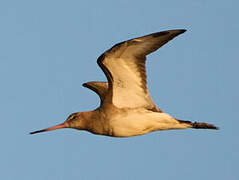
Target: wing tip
(175,32)
(178,31)
(84,84)
(181,31)
(87,85)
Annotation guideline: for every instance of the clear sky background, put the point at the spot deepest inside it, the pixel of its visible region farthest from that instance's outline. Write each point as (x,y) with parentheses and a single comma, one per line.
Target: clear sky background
(48,48)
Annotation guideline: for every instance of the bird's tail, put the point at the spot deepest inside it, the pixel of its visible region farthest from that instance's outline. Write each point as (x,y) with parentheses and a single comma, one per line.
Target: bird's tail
(199,125)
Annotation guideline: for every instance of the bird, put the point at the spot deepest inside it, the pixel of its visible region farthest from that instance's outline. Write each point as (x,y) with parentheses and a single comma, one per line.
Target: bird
(126,107)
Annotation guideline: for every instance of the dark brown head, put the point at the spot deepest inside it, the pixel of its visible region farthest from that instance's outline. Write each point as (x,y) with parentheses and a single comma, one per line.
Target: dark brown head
(75,121)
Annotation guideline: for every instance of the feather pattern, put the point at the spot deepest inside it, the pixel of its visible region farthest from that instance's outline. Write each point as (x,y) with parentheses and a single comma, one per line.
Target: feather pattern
(124,67)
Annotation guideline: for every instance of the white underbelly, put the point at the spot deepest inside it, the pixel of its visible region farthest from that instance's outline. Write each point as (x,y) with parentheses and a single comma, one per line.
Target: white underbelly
(138,123)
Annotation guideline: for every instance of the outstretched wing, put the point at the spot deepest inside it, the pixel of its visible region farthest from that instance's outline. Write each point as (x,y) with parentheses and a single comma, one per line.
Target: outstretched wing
(99,88)
(124,67)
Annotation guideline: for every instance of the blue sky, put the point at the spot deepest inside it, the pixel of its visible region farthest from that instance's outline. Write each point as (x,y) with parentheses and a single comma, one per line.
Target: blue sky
(49,48)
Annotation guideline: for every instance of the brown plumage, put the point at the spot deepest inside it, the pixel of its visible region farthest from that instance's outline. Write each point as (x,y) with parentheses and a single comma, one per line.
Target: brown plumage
(127,108)
(99,88)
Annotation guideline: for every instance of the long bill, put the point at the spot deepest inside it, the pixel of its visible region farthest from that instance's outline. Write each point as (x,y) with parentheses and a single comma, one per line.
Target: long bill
(59,126)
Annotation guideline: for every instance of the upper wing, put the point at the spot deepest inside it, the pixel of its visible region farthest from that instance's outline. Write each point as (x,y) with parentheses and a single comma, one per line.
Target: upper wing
(124,67)
(99,88)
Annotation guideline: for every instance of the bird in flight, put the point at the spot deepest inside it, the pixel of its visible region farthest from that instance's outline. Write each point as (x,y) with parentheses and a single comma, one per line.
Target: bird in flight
(126,107)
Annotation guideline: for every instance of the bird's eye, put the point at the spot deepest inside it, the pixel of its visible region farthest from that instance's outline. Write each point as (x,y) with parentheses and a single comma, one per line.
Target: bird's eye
(70,118)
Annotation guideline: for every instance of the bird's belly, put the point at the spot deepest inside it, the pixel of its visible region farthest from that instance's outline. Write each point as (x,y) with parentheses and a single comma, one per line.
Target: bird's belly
(127,130)
(141,123)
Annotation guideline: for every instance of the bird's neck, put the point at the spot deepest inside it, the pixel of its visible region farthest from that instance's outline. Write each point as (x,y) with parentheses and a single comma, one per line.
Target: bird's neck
(95,122)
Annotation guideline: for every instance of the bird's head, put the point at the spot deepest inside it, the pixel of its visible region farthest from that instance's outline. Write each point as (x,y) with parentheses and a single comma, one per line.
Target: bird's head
(75,121)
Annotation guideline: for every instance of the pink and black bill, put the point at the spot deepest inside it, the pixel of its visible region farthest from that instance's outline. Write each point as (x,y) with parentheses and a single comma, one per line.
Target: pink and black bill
(59,126)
